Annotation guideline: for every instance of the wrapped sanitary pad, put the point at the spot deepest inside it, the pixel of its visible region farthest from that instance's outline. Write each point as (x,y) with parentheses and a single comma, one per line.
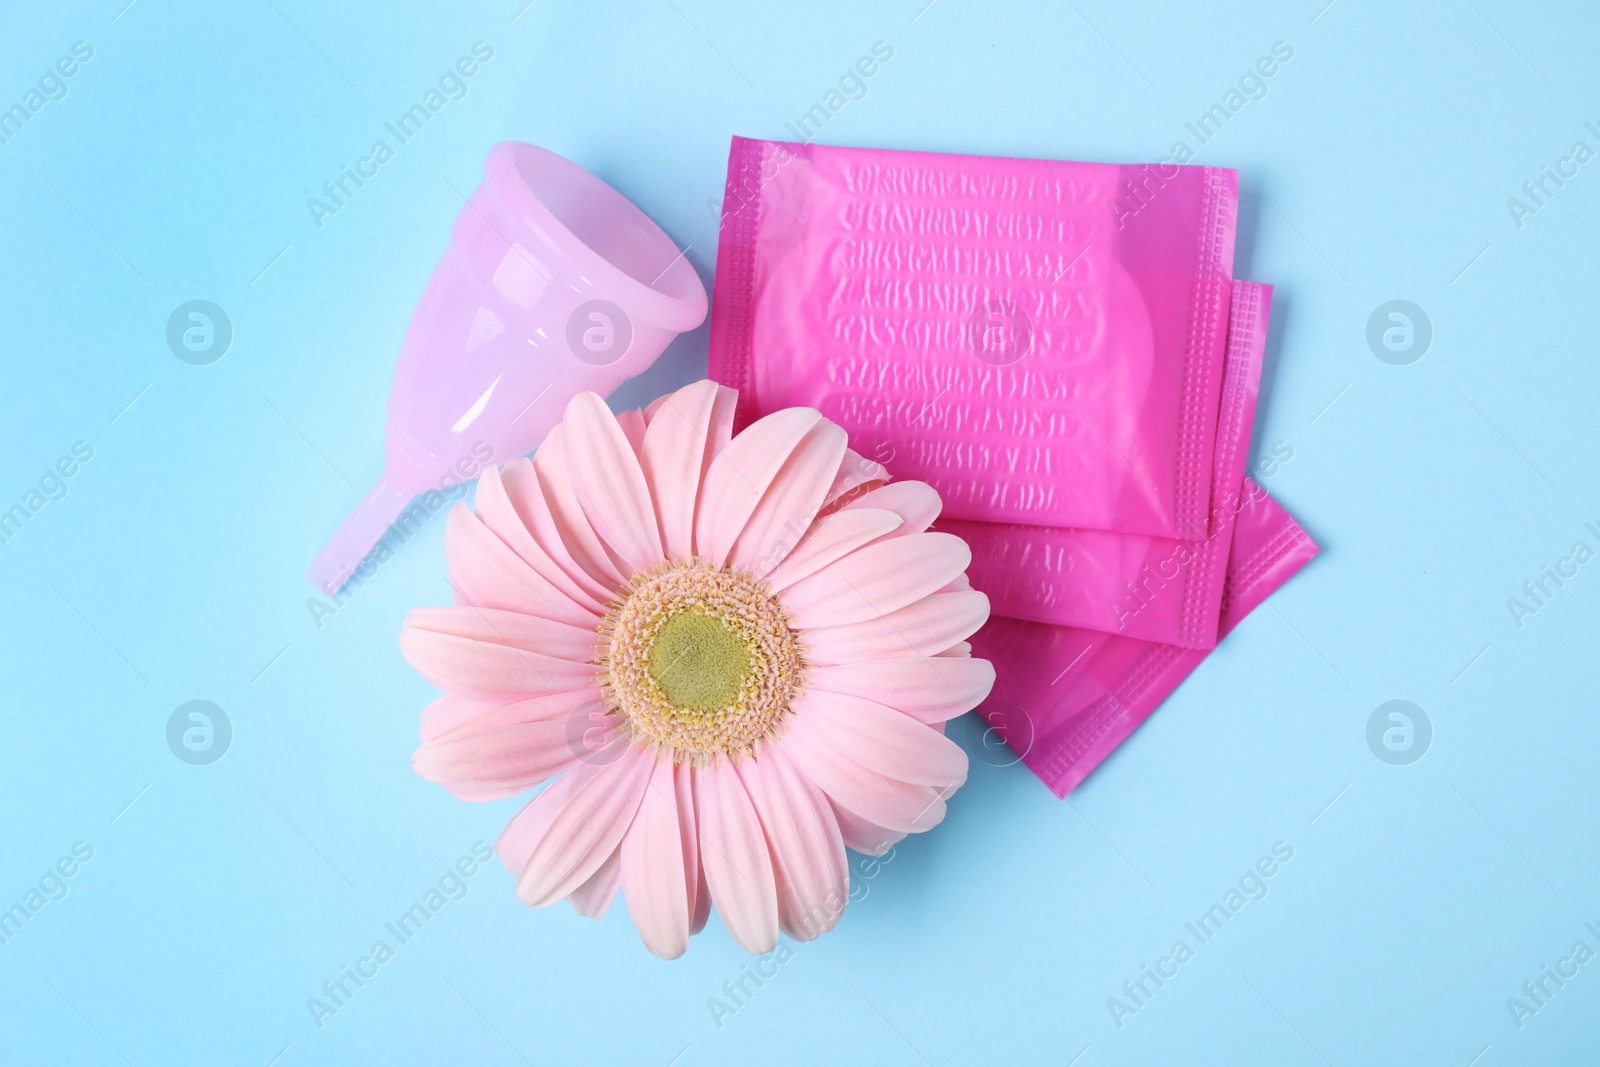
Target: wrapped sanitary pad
(1153,588)
(1065,696)
(1041,341)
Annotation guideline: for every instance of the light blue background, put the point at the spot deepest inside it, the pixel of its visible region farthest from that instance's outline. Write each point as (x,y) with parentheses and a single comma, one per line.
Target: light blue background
(1378,167)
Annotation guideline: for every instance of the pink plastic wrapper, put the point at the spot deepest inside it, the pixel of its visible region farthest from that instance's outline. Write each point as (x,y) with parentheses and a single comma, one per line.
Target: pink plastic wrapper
(1065,696)
(1153,588)
(1041,341)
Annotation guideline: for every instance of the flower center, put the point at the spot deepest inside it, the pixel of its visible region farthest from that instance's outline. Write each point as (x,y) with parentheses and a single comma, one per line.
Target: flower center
(700,660)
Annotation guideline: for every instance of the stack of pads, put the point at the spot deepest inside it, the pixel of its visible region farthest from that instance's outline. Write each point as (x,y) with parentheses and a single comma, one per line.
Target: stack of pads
(1059,349)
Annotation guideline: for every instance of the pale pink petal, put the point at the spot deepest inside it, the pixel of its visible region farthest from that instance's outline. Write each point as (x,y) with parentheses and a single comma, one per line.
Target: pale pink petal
(656,876)
(452,710)
(888,802)
(925,628)
(526,493)
(916,502)
(831,538)
(880,739)
(548,637)
(633,423)
(863,836)
(790,501)
(740,474)
(689,807)
(802,834)
(959,584)
(592,898)
(676,451)
(958,650)
(486,573)
(857,475)
(566,832)
(738,865)
(873,581)
(930,689)
(588,552)
(510,749)
(496,510)
(654,406)
(605,474)
(486,652)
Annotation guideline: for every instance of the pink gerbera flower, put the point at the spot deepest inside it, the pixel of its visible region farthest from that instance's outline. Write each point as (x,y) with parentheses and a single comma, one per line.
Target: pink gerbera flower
(737,652)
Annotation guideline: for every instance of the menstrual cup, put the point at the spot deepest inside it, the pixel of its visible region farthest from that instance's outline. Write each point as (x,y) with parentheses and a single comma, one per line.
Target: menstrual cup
(553,283)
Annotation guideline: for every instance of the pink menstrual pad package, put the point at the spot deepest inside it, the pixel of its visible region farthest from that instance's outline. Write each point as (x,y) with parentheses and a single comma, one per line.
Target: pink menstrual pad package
(1041,341)
(1065,697)
(1154,588)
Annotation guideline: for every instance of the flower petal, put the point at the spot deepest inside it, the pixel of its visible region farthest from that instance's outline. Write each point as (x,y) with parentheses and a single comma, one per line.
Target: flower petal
(857,475)
(865,837)
(487,652)
(925,628)
(452,712)
(495,510)
(656,878)
(633,423)
(677,450)
(791,501)
(880,739)
(452,709)
(930,689)
(585,547)
(689,807)
(873,581)
(592,898)
(740,473)
(520,478)
(916,502)
(737,863)
(610,486)
(808,857)
(486,573)
(566,832)
(886,802)
(831,538)
(511,748)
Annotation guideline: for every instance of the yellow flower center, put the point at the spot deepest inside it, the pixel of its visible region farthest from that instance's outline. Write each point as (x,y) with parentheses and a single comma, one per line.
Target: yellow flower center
(700,661)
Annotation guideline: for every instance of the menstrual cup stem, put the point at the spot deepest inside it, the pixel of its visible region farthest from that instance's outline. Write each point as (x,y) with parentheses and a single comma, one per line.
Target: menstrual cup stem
(361,531)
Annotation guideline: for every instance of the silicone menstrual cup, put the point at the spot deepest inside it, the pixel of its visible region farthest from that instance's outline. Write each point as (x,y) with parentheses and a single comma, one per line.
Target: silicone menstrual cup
(553,283)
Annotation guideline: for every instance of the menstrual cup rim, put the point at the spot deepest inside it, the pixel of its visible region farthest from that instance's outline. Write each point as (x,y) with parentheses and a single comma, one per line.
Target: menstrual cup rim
(660,309)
